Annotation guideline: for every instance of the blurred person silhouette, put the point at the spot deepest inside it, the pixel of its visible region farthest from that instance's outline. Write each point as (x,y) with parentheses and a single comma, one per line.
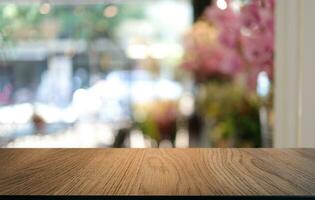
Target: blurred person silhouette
(38,122)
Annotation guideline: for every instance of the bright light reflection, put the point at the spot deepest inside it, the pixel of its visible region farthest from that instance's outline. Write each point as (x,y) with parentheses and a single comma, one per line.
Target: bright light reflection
(44,8)
(158,51)
(186,104)
(10,11)
(236,5)
(182,139)
(110,11)
(137,139)
(142,91)
(137,51)
(49,113)
(166,89)
(263,84)
(83,135)
(16,114)
(85,103)
(222,4)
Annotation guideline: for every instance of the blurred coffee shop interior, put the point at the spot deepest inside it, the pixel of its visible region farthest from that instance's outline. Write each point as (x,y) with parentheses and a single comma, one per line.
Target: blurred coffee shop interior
(167,73)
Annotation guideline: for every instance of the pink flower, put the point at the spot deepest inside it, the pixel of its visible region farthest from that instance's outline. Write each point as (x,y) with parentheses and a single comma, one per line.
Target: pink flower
(252,76)
(258,17)
(245,41)
(250,16)
(222,18)
(222,61)
(229,37)
(228,23)
(232,63)
(258,35)
(258,49)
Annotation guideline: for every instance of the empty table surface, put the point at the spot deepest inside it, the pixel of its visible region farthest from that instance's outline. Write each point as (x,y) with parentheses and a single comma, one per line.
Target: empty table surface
(157,171)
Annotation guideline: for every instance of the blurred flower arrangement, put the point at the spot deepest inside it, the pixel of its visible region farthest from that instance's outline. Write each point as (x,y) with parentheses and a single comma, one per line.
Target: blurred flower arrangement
(157,119)
(232,114)
(226,50)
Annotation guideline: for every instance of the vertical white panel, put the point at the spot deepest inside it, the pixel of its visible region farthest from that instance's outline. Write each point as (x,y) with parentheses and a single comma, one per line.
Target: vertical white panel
(287,69)
(307,133)
(295,74)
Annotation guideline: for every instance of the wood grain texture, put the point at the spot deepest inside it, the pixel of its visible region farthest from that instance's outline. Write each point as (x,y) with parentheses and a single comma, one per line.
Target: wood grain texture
(157,171)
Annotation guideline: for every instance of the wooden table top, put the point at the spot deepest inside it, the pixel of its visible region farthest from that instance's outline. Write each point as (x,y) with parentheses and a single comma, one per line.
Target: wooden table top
(157,171)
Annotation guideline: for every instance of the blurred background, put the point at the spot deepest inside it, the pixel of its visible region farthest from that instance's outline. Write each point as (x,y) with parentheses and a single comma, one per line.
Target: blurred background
(167,73)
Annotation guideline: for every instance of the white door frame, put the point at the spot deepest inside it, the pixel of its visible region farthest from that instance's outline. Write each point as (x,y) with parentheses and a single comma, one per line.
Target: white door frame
(295,74)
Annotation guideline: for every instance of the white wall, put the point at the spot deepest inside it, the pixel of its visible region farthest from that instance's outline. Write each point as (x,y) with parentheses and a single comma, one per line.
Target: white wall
(295,74)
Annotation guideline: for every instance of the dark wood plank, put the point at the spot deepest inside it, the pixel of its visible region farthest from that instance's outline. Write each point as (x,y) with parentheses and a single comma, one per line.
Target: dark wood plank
(157,171)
